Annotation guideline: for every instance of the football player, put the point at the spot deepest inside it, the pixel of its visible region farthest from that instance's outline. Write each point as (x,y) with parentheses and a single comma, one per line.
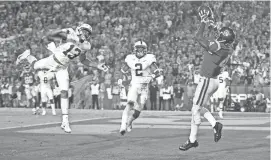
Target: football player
(46,92)
(222,90)
(217,53)
(28,79)
(143,68)
(74,43)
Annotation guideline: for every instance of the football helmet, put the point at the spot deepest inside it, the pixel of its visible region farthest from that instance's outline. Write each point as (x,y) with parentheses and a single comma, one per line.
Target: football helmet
(226,35)
(83,31)
(140,49)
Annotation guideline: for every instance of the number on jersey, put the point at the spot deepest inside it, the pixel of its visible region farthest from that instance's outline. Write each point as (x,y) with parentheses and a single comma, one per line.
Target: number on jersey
(221,80)
(72,52)
(138,69)
(45,80)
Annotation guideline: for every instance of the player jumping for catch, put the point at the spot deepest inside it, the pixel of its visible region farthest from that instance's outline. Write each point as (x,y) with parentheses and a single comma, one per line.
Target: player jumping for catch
(74,43)
(143,69)
(215,57)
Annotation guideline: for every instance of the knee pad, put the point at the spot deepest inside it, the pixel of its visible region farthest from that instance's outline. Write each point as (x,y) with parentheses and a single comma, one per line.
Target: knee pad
(64,94)
(131,103)
(136,114)
(196,115)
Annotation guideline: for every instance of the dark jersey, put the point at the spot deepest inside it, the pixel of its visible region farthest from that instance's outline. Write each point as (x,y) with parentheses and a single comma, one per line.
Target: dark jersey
(28,78)
(214,60)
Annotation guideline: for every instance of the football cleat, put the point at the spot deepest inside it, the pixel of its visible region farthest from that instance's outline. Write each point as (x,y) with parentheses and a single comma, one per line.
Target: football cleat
(66,127)
(188,145)
(217,129)
(22,56)
(122,131)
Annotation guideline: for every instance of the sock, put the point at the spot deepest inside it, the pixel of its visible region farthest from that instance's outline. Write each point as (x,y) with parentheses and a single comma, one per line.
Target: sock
(64,105)
(53,107)
(65,118)
(124,118)
(64,109)
(193,132)
(210,118)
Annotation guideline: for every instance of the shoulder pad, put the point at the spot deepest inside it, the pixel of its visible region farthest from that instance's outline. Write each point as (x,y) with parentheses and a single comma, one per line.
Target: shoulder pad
(151,58)
(129,58)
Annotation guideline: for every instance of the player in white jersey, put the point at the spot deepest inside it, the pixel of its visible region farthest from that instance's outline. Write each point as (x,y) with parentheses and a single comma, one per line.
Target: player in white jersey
(222,90)
(143,69)
(74,43)
(46,92)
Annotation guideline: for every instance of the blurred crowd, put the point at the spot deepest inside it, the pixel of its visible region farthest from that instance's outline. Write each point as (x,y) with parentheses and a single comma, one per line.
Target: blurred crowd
(168,27)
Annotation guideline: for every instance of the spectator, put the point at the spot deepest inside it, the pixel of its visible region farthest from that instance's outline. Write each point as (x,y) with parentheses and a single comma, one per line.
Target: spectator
(115,88)
(95,89)
(153,95)
(167,96)
(178,97)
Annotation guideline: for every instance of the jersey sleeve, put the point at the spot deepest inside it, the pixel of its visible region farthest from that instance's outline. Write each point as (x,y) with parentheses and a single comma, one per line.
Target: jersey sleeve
(214,46)
(152,58)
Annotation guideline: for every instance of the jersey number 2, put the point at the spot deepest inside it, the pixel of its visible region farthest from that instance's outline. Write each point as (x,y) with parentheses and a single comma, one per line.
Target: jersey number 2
(73,55)
(138,69)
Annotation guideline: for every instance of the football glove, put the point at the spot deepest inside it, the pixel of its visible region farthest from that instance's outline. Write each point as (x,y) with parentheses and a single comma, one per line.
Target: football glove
(157,73)
(204,16)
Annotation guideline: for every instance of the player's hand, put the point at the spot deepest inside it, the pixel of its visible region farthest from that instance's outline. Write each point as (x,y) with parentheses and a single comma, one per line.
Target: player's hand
(103,67)
(204,16)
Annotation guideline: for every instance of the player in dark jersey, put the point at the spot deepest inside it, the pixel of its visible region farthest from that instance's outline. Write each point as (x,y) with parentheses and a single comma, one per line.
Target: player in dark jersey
(217,53)
(28,79)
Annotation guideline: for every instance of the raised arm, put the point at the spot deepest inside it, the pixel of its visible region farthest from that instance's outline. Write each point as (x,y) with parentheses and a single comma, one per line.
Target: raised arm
(209,45)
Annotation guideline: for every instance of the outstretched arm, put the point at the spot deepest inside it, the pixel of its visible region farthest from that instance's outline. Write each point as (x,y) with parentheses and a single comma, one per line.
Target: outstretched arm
(95,64)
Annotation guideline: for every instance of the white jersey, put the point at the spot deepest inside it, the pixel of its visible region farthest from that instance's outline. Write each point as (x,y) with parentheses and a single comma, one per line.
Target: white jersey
(71,49)
(140,67)
(45,78)
(221,78)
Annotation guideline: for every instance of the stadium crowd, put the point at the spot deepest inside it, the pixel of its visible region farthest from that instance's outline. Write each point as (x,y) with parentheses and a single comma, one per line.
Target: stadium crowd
(167,27)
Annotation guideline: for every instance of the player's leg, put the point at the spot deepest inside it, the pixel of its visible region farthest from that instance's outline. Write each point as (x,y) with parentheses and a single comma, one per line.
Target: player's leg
(51,99)
(62,78)
(221,99)
(213,85)
(43,100)
(29,100)
(131,100)
(138,106)
(204,89)
(34,95)
(221,102)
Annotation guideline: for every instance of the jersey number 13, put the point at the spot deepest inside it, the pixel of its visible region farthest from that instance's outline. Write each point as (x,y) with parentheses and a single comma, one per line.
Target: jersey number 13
(72,52)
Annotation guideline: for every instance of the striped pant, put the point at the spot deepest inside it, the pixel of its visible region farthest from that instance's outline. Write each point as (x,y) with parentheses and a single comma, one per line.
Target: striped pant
(205,88)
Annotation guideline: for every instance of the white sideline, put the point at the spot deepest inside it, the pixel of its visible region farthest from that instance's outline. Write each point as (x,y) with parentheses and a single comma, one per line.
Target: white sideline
(43,124)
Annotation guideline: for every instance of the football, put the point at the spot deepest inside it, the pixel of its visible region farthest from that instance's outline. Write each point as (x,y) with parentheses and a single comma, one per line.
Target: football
(206,8)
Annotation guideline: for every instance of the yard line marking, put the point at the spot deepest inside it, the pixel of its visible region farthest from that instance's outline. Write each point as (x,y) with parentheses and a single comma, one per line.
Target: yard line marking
(43,124)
